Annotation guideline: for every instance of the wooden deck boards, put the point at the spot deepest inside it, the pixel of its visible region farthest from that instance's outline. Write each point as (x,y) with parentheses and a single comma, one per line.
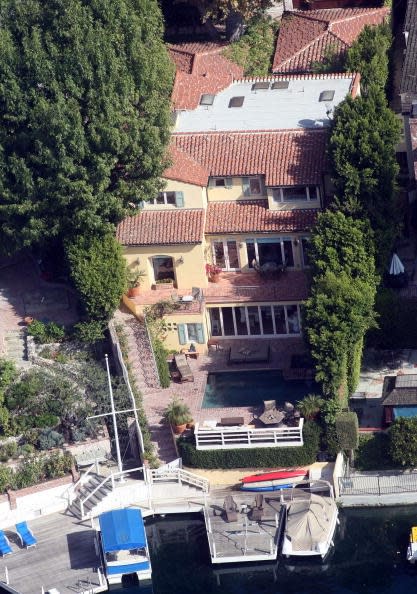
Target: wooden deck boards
(64,557)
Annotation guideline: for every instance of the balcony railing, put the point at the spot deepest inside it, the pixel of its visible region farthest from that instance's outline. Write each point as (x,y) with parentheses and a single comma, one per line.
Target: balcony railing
(228,438)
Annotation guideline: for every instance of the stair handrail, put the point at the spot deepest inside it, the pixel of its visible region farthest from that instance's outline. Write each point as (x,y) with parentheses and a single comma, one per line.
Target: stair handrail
(106,479)
(68,493)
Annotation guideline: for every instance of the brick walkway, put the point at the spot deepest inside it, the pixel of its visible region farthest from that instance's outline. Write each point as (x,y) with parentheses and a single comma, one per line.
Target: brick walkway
(155,400)
(24,293)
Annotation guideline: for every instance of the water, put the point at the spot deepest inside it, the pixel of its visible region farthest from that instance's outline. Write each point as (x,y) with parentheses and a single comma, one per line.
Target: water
(368,558)
(249,388)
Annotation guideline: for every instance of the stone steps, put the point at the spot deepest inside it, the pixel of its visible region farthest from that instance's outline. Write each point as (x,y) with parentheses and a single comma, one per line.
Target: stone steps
(16,348)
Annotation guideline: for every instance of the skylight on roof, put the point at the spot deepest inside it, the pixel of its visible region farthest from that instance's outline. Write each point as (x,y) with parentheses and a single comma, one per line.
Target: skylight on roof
(236,101)
(259,86)
(207,99)
(280,84)
(326,96)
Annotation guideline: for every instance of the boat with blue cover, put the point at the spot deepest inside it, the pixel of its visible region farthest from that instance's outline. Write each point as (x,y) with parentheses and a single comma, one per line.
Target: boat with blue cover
(124,546)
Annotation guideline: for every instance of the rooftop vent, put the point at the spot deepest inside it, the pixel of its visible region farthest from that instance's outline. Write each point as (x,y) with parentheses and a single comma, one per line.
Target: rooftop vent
(280,84)
(260,86)
(207,99)
(326,96)
(236,101)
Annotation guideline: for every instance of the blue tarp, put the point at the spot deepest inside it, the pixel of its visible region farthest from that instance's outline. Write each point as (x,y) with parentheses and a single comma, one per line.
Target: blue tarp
(405,411)
(122,530)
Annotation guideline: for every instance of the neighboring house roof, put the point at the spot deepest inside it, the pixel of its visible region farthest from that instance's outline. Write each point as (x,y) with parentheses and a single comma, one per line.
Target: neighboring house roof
(401,397)
(409,72)
(162,227)
(201,68)
(284,157)
(186,169)
(253,216)
(304,36)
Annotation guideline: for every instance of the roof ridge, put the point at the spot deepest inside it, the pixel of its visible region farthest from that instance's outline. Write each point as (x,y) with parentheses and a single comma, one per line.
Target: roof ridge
(315,40)
(364,12)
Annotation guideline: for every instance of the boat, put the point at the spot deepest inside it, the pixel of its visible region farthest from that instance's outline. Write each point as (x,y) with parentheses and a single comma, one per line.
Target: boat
(123,545)
(272,485)
(311,521)
(412,546)
(274,475)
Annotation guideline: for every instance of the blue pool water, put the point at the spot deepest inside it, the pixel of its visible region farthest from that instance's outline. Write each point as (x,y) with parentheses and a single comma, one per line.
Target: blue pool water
(368,558)
(249,388)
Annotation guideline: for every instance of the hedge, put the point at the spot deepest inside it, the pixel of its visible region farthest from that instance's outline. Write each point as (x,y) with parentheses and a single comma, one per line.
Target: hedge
(255,457)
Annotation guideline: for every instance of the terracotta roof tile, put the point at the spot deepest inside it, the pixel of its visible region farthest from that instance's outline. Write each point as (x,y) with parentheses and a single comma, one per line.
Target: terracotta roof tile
(186,169)
(162,227)
(304,36)
(285,157)
(253,216)
(184,54)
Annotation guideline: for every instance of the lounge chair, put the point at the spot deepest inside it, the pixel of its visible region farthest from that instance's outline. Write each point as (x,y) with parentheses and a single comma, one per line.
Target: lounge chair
(186,375)
(5,548)
(230,508)
(257,508)
(26,536)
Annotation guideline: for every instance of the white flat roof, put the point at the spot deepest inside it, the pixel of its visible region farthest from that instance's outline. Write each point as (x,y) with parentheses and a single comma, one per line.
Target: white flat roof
(297,106)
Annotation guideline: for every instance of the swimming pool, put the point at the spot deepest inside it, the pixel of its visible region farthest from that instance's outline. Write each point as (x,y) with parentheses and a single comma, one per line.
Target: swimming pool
(226,389)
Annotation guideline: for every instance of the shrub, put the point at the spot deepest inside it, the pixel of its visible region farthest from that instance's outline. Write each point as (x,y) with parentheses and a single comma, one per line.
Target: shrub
(254,50)
(256,457)
(8,374)
(89,332)
(403,442)
(310,406)
(61,358)
(161,355)
(26,449)
(8,450)
(346,425)
(373,452)
(49,332)
(48,439)
(177,412)
(57,465)
(6,478)
(30,472)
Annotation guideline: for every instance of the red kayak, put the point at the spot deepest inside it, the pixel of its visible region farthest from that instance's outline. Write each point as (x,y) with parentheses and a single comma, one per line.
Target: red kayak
(275,475)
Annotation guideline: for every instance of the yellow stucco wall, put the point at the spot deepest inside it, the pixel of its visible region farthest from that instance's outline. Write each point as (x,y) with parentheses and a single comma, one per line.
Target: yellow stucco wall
(194,196)
(189,273)
(171,341)
(304,204)
(233,193)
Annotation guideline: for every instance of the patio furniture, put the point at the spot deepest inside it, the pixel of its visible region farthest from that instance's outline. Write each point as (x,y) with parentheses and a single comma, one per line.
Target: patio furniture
(271,415)
(250,354)
(26,535)
(186,375)
(232,421)
(215,344)
(230,508)
(5,548)
(257,508)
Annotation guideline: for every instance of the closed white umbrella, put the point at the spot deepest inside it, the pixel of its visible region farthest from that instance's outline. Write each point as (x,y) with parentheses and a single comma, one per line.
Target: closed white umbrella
(397,266)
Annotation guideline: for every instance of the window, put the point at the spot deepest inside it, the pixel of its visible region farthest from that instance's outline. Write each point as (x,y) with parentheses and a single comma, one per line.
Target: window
(260,86)
(174,198)
(190,333)
(252,186)
(270,251)
(225,254)
(163,268)
(207,99)
(326,96)
(221,182)
(305,244)
(255,320)
(236,101)
(295,193)
(280,84)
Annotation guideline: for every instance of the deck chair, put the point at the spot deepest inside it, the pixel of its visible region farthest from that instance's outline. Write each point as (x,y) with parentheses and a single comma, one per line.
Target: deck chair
(186,375)
(269,405)
(230,508)
(26,536)
(5,548)
(257,508)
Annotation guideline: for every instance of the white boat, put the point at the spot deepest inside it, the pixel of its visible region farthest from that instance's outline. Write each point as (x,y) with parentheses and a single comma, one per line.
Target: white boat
(124,546)
(412,546)
(311,521)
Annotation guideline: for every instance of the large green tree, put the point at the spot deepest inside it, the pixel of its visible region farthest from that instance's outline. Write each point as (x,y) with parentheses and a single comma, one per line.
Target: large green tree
(84,108)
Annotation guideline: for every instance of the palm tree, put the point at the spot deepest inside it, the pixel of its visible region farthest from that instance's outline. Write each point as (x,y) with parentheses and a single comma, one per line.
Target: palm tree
(310,406)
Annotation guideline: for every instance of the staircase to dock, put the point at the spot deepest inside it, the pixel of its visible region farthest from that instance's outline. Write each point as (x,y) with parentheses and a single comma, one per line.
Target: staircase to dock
(90,494)
(16,347)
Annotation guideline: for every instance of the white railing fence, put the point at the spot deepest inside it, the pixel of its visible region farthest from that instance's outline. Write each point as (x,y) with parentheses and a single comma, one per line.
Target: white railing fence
(178,475)
(247,437)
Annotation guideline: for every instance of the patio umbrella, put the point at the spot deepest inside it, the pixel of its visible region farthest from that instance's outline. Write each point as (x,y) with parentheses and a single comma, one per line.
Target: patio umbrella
(397,266)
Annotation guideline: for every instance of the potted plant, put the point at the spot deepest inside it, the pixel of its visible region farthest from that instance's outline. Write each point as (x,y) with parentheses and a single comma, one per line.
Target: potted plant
(178,415)
(213,272)
(134,279)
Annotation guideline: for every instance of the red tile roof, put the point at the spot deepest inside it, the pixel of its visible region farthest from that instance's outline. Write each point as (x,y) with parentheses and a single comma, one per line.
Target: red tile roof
(253,216)
(304,36)
(201,68)
(285,157)
(186,169)
(162,227)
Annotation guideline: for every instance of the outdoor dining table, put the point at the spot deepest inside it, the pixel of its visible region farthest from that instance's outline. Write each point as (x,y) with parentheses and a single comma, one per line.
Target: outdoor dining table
(272,417)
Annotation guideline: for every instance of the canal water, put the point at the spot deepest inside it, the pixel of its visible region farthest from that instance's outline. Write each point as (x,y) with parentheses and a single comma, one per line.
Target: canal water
(368,558)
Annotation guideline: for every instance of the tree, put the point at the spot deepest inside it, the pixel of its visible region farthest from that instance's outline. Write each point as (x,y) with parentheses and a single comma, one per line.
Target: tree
(362,154)
(85,114)
(255,48)
(98,271)
(333,60)
(403,442)
(234,13)
(369,56)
